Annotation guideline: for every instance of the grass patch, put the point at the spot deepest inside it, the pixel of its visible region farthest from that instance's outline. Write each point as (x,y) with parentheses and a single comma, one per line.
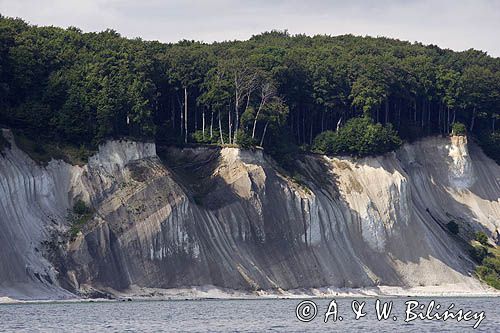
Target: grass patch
(43,151)
(78,216)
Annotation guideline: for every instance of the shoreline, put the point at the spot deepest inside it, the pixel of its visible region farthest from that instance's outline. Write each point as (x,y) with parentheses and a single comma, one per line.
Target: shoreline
(216,293)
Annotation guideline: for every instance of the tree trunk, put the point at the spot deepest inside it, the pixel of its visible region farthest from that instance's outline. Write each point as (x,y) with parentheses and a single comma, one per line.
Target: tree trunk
(255,122)
(399,114)
(236,126)
(338,123)
(237,114)
(473,119)
(246,107)
(181,109)
(429,118)
(195,118)
(422,115)
(264,133)
(311,132)
(229,125)
(386,119)
(185,115)
(439,117)
(297,124)
(303,126)
(203,123)
(211,124)
(415,111)
(448,120)
(172,113)
(220,129)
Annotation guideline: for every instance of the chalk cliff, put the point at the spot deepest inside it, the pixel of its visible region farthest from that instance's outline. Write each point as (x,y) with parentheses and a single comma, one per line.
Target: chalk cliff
(233,219)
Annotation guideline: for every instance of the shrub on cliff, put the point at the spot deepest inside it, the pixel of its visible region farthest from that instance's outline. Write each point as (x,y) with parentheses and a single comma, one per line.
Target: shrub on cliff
(458,129)
(245,140)
(489,270)
(359,137)
(324,142)
(481,237)
(200,137)
(78,217)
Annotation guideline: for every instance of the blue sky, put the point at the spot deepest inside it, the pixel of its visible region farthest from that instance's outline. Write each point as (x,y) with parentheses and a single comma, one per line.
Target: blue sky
(459,24)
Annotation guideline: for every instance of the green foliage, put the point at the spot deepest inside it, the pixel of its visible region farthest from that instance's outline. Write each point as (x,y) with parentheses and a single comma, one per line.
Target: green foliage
(42,151)
(479,252)
(245,140)
(283,150)
(490,142)
(453,227)
(38,151)
(359,137)
(79,216)
(492,262)
(78,89)
(199,137)
(489,269)
(81,208)
(458,129)
(481,237)
(325,142)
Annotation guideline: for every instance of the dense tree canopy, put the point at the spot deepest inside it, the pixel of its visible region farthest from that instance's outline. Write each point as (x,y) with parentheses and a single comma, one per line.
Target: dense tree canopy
(66,85)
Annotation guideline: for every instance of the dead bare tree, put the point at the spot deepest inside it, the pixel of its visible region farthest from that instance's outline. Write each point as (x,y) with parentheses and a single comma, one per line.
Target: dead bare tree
(267,91)
(245,83)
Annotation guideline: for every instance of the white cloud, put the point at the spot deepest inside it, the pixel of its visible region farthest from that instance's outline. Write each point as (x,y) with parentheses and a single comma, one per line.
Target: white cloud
(452,24)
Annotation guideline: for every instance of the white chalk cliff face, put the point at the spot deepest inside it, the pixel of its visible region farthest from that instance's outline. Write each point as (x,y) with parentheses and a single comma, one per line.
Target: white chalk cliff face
(230,218)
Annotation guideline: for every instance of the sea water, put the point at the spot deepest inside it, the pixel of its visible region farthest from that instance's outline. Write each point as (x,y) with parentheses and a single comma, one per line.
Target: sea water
(255,315)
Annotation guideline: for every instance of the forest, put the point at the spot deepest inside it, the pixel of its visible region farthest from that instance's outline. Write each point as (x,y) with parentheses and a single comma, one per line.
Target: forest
(330,94)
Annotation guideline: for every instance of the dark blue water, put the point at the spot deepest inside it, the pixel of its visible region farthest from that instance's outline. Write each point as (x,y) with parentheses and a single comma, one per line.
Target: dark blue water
(235,316)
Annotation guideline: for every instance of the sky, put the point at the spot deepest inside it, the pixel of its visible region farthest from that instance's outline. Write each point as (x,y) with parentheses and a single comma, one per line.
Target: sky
(454,24)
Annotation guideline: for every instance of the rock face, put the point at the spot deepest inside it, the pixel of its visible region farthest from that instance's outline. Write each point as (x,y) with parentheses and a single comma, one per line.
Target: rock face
(231,218)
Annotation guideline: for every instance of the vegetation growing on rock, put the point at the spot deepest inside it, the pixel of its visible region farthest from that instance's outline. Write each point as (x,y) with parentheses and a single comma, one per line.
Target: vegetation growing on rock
(458,129)
(79,215)
(42,150)
(482,238)
(359,137)
(489,268)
